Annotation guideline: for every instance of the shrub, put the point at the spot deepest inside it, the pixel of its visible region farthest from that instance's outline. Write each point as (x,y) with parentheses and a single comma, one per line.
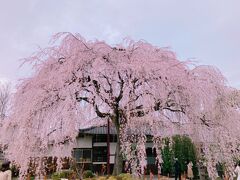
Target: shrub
(112,178)
(87,174)
(124,176)
(55,176)
(102,178)
(61,174)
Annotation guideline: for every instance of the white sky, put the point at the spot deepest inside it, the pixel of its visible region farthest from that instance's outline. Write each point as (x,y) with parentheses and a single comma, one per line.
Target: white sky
(206,30)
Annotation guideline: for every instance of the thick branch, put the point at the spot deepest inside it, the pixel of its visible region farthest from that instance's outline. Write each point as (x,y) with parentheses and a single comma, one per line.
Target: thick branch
(121,88)
(99,113)
(110,85)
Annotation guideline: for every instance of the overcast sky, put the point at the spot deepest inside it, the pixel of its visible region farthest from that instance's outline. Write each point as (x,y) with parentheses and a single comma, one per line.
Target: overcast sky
(207,31)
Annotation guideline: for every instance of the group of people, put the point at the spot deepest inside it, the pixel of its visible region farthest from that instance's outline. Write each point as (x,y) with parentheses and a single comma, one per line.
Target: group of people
(5,172)
(177,168)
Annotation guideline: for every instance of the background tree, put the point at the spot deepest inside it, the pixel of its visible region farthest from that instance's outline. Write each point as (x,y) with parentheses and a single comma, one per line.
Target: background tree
(5,92)
(185,151)
(136,85)
(182,148)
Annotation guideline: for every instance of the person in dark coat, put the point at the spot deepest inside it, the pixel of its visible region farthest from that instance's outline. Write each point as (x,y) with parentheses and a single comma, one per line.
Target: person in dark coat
(177,168)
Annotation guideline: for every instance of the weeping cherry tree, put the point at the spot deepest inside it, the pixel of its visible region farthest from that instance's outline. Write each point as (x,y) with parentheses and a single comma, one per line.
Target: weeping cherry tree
(140,88)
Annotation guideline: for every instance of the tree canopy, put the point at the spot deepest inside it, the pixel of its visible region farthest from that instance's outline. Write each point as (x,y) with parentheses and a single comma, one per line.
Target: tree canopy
(139,87)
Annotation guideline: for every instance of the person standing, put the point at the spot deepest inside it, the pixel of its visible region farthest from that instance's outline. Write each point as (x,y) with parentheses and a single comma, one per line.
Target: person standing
(237,171)
(151,175)
(6,173)
(103,170)
(189,170)
(177,168)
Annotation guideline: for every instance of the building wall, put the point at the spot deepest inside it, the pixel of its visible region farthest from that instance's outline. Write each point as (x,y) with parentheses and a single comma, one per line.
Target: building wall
(100,144)
(149,145)
(84,142)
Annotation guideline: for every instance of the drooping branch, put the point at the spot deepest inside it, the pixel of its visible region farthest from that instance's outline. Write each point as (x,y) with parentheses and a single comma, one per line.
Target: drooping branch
(204,120)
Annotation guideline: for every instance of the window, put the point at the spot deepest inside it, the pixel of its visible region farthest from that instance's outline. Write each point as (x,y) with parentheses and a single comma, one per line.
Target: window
(100,138)
(82,155)
(113,138)
(103,138)
(100,154)
(151,155)
(151,152)
(149,138)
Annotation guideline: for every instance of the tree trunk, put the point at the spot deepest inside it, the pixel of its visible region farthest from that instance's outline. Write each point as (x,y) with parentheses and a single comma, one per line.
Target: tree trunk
(118,163)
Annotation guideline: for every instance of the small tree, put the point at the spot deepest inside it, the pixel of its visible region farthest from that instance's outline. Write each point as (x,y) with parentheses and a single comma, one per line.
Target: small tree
(168,158)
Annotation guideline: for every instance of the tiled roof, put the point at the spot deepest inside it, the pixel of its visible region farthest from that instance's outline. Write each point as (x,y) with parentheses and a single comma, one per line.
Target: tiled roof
(103,130)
